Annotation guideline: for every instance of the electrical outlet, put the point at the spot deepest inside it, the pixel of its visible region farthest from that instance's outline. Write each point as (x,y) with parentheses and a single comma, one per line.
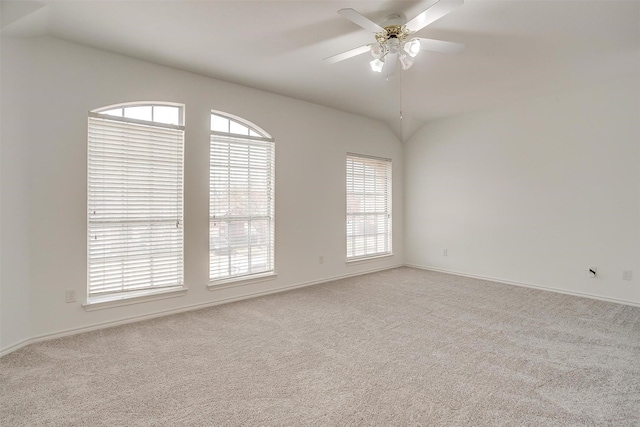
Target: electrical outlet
(445,252)
(593,271)
(321,260)
(71,295)
(627,275)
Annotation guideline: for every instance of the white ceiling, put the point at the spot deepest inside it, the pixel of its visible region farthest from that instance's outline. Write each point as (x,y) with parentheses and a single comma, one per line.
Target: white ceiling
(515,48)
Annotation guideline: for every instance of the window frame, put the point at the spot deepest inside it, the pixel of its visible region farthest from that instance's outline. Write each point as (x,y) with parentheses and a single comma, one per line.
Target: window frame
(255,136)
(350,213)
(133,294)
(103,111)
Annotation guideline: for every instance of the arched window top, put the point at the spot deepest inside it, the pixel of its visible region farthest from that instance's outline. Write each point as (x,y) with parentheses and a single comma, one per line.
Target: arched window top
(155,112)
(227,124)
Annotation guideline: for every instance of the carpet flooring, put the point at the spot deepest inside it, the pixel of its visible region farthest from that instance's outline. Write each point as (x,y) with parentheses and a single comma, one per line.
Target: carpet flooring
(402,347)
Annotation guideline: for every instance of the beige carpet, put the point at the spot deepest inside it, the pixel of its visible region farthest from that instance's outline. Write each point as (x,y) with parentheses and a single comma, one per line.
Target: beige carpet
(400,347)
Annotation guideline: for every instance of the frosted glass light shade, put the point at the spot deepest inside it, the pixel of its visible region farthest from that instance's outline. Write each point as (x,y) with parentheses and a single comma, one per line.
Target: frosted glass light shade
(376,65)
(412,47)
(406,61)
(377,50)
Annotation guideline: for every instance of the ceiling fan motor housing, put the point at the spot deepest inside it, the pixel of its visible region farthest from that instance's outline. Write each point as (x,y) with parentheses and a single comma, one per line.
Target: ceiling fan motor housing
(395,32)
(393,19)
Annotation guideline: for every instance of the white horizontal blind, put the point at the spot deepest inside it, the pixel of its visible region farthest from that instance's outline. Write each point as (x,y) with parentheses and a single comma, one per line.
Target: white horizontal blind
(368,206)
(135,205)
(241,206)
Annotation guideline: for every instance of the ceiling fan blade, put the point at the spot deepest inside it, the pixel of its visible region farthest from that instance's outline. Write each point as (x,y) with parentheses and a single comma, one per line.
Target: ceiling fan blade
(441,46)
(432,14)
(390,63)
(348,54)
(355,17)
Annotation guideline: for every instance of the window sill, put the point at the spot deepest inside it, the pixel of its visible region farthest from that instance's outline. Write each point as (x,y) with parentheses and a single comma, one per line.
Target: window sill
(368,259)
(109,301)
(240,281)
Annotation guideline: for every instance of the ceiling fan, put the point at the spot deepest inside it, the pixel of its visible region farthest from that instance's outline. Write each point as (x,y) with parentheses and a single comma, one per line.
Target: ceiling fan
(394,39)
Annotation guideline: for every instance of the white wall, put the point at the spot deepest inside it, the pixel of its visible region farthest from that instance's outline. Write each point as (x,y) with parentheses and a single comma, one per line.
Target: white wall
(56,83)
(14,205)
(533,192)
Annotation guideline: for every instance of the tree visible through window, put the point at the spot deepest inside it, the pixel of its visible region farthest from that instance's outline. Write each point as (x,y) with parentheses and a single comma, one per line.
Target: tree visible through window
(368,206)
(135,200)
(241,199)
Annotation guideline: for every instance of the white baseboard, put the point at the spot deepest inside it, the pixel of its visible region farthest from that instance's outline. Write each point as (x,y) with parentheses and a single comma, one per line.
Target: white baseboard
(14,347)
(526,285)
(68,332)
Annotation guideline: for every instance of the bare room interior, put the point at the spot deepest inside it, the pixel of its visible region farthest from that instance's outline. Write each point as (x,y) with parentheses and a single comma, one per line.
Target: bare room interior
(315,212)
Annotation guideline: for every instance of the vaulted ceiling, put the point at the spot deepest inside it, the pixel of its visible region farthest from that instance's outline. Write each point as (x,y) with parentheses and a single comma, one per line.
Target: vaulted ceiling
(515,48)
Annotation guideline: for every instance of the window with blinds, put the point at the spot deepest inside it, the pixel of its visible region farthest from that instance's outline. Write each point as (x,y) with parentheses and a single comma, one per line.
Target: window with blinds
(135,201)
(368,206)
(241,199)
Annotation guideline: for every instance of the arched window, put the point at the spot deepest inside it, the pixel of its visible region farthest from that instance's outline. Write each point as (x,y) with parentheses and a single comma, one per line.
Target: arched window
(135,200)
(241,199)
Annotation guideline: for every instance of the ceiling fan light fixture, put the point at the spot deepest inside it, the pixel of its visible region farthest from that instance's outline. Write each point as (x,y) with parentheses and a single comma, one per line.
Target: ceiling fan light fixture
(412,47)
(393,40)
(406,61)
(377,50)
(376,65)
(394,45)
